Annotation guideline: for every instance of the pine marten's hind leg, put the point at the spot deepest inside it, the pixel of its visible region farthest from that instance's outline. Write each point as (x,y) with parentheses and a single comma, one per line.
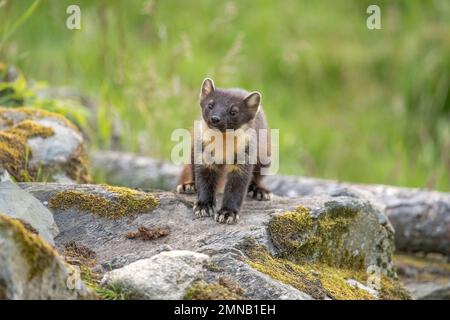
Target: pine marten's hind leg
(256,189)
(186,183)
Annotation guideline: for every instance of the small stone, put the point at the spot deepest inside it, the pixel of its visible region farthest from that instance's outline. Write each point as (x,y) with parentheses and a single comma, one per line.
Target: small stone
(164,276)
(359,285)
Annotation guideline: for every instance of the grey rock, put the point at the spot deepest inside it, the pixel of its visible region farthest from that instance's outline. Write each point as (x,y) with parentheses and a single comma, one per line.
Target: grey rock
(59,157)
(5,176)
(429,290)
(222,242)
(426,277)
(356,284)
(166,275)
(106,236)
(21,278)
(420,217)
(256,285)
(127,169)
(57,149)
(19,204)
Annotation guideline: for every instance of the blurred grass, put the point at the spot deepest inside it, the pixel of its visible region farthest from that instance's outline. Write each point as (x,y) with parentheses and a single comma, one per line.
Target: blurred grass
(351,103)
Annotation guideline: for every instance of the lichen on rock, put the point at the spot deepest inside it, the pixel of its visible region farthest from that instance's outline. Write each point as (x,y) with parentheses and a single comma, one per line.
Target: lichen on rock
(12,116)
(32,269)
(344,232)
(38,254)
(201,290)
(304,238)
(37,145)
(319,279)
(113,202)
(14,149)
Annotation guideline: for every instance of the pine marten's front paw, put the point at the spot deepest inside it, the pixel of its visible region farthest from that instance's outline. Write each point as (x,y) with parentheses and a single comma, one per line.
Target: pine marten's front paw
(226,216)
(259,193)
(204,209)
(188,188)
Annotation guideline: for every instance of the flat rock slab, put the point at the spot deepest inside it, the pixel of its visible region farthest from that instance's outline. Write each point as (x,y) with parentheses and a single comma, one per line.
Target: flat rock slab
(20,204)
(108,237)
(421,217)
(369,235)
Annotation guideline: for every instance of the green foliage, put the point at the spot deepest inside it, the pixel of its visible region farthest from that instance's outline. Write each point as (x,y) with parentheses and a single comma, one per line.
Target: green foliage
(351,103)
(9,29)
(14,93)
(17,92)
(103,292)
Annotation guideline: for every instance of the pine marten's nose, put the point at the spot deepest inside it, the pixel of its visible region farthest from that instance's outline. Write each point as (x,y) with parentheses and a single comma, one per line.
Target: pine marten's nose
(215,119)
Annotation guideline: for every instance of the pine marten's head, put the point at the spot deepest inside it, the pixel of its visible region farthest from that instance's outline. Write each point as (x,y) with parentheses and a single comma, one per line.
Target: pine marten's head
(224,109)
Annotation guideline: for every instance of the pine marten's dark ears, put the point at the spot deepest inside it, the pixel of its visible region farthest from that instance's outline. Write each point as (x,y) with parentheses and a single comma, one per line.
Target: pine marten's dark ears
(207,88)
(253,100)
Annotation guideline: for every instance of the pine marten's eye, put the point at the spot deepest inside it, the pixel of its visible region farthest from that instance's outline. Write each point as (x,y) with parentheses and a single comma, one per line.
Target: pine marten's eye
(233,111)
(210,105)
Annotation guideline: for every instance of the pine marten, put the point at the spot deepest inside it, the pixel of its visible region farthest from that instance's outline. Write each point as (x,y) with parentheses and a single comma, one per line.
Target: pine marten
(222,110)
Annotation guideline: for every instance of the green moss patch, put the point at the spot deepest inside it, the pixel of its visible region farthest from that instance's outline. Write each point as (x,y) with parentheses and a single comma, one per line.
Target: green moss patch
(32,129)
(222,290)
(116,202)
(14,150)
(303,238)
(319,280)
(37,253)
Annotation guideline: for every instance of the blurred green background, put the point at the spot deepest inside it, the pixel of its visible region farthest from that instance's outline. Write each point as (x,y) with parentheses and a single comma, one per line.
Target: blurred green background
(351,103)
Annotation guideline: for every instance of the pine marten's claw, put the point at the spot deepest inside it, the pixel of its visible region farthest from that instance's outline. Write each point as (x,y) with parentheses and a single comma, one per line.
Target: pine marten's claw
(204,209)
(259,193)
(226,216)
(188,188)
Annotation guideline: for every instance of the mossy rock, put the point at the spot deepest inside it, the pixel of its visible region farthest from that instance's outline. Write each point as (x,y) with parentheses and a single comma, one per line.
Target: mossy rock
(105,201)
(201,290)
(342,235)
(36,145)
(31,269)
(38,254)
(321,280)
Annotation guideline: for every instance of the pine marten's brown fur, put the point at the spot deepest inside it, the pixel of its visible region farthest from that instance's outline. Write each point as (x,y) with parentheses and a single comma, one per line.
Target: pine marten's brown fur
(224,109)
